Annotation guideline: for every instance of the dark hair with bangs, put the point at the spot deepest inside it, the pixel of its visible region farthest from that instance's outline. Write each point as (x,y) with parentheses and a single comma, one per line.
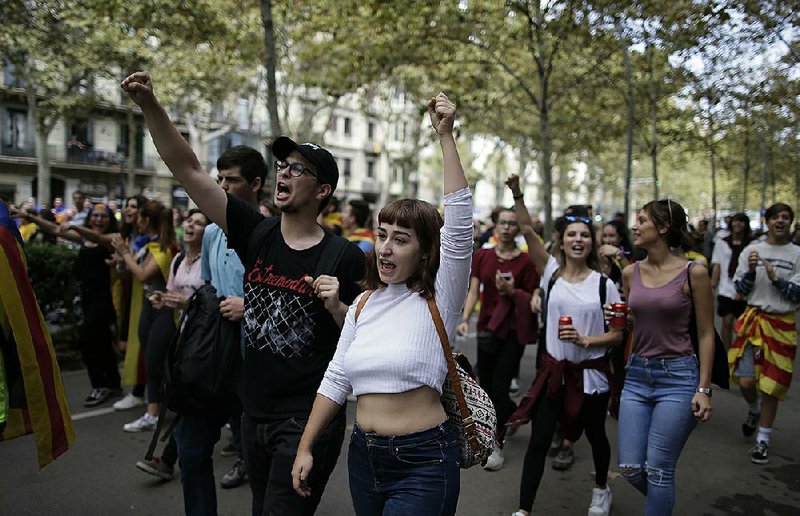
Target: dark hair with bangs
(668,213)
(593,259)
(426,222)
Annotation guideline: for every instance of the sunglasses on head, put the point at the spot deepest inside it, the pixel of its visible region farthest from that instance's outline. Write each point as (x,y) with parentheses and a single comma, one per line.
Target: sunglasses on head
(573,218)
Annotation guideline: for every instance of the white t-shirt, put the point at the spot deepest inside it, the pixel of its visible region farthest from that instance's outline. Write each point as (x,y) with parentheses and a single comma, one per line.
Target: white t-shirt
(786,260)
(722,256)
(581,301)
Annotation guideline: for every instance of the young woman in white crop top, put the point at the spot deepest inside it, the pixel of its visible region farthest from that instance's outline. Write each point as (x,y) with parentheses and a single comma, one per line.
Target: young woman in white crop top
(403,454)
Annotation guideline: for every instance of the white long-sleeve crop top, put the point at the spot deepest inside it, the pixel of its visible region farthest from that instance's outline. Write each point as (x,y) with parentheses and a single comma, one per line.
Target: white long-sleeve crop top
(394,346)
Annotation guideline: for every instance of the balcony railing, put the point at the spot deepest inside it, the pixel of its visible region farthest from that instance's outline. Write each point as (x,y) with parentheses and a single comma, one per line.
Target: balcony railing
(25,152)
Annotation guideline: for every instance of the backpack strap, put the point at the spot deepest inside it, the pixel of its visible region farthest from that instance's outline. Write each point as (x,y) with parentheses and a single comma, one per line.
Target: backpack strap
(362,302)
(262,230)
(546,299)
(331,256)
(603,290)
(177,262)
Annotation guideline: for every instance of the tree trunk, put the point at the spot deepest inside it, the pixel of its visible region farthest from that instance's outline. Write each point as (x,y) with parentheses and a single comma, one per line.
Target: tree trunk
(546,144)
(746,167)
(631,122)
(654,122)
(270,64)
(130,152)
(713,157)
(41,130)
(764,172)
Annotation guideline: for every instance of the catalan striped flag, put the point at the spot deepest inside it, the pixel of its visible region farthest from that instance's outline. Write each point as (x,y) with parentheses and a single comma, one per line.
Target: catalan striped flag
(774,341)
(35,399)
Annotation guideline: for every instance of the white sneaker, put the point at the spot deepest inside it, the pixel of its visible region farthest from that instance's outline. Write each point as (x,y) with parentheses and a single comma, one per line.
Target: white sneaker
(495,460)
(513,389)
(129,402)
(601,502)
(146,422)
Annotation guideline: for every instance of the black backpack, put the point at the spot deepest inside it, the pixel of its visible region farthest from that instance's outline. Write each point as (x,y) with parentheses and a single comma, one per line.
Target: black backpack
(203,363)
(204,358)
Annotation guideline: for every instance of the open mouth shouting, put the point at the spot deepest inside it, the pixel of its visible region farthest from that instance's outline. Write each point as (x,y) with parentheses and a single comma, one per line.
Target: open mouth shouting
(282,191)
(386,267)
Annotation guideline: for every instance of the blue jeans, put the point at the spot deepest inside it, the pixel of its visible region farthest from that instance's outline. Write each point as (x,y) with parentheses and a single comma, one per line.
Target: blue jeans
(415,474)
(196,437)
(655,420)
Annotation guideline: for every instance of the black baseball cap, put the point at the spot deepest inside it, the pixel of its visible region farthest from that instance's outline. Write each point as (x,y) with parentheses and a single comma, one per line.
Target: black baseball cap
(327,170)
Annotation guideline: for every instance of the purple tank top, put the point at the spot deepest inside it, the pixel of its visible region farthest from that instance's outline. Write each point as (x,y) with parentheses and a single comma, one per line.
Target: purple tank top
(662,317)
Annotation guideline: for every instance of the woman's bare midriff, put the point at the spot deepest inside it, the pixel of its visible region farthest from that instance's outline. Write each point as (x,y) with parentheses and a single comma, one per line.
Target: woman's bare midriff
(401,413)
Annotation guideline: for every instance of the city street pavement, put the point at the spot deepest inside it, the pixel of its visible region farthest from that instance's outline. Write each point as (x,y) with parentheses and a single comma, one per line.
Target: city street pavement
(715,476)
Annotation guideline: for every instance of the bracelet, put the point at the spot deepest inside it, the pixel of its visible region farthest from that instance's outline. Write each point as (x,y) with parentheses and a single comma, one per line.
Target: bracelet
(517,197)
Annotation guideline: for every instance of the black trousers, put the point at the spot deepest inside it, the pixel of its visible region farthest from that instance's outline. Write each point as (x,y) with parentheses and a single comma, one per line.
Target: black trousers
(593,420)
(156,329)
(498,362)
(270,448)
(97,342)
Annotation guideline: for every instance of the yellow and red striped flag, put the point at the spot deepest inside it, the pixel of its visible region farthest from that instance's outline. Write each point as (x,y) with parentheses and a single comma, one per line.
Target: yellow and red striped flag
(36,402)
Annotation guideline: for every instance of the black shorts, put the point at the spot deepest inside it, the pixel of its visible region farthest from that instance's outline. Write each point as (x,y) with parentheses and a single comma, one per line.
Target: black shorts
(728,306)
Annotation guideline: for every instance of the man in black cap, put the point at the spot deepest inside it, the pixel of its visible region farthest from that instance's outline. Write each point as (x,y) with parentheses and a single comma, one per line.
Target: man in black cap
(292,313)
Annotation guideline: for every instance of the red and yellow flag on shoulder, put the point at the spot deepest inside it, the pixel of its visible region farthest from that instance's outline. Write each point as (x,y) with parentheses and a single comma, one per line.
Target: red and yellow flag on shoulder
(32,398)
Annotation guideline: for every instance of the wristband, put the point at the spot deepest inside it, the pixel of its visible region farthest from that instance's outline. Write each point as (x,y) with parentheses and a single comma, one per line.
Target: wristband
(517,197)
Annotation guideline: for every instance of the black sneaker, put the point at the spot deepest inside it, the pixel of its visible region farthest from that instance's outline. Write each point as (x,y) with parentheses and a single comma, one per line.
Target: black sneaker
(564,459)
(98,396)
(750,424)
(760,453)
(235,477)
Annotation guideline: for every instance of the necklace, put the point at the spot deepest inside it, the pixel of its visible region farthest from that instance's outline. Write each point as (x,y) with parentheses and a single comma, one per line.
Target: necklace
(190,259)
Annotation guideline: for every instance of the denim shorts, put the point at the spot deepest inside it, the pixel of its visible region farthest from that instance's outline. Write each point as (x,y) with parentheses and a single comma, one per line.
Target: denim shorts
(415,474)
(746,366)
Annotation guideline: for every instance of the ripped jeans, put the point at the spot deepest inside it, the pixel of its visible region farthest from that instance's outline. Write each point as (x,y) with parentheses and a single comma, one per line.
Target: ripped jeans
(655,420)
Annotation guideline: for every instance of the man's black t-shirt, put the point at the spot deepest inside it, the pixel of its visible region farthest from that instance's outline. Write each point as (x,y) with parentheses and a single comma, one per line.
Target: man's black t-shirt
(289,336)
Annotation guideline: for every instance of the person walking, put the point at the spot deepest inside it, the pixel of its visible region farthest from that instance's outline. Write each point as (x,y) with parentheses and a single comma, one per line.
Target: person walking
(724,261)
(667,385)
(291,320)
(761,357)
(403,454)
(577,342)
(504,278)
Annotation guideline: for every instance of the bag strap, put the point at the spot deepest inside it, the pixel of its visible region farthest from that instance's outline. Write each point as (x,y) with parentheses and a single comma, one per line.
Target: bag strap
(177,262)
(331,256)
(260,233)
(362,302)
(603,290)
(546,299)
(469,424)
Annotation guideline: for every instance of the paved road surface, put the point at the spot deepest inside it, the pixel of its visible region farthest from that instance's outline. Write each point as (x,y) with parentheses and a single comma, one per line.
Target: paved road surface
(715,476)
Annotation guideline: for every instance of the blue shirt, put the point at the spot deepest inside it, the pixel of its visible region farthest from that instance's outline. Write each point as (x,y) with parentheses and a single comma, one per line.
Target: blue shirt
(220,265)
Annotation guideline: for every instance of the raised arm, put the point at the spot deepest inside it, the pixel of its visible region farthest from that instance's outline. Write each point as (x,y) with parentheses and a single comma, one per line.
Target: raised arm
(175,151)
(51,228)
(536,250)
(443,114)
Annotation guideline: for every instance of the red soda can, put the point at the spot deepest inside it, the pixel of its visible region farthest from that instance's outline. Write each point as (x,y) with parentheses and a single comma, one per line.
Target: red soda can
(620,317)
(564,320)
